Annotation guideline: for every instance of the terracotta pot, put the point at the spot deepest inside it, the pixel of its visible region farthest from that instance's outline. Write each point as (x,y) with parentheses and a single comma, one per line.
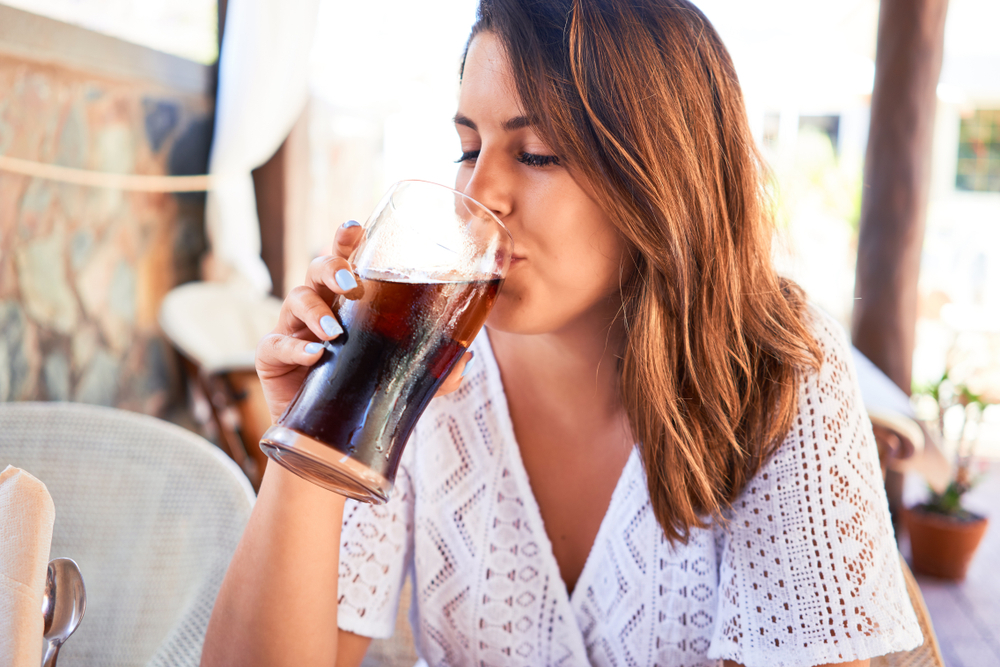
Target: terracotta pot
(942,546)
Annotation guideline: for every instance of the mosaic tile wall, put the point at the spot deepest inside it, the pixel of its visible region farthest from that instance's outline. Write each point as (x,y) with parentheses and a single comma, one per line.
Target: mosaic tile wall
(83,270)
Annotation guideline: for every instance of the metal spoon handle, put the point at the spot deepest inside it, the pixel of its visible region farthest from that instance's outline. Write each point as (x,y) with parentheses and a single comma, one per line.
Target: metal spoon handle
(51,653)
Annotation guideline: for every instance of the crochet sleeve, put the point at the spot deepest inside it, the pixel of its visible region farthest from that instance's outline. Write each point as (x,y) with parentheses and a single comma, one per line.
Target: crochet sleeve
(808,566)
(375,551)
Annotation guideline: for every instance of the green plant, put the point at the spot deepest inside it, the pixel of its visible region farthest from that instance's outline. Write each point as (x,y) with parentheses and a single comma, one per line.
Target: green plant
(947,395)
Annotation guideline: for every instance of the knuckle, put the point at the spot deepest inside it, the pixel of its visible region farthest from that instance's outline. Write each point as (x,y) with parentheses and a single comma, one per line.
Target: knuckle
(314,313)
(267,347)
(300,293)
(318,263)
(331,263)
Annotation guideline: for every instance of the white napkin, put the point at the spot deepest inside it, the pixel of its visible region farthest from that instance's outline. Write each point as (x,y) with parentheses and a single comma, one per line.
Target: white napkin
(26,518)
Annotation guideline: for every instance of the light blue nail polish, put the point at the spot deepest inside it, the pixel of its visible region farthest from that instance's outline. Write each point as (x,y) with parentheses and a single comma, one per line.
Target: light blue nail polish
(351,223)
(313,348)
(330,326)
(345,279)
(468,364)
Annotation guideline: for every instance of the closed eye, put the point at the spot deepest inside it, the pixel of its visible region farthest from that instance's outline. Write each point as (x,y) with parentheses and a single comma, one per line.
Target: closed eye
(533,160)
(530,159)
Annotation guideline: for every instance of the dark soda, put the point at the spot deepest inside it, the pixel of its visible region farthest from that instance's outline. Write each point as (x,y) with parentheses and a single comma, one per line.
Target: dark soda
(400,342)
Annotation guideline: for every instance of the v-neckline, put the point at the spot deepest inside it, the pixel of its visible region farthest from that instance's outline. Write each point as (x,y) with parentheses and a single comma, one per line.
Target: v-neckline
(531,506)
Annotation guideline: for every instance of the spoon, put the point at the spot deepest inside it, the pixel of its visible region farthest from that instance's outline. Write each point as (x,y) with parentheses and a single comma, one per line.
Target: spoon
(63,605)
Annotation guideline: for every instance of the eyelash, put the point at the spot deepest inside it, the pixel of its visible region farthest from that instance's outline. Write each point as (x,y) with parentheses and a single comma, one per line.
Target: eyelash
(530,159)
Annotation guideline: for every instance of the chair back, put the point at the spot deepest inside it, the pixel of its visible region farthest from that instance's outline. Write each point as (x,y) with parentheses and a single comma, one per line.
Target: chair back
(151,512)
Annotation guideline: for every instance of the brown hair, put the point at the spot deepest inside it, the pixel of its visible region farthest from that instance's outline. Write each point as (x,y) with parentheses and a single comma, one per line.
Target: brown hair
(640,98)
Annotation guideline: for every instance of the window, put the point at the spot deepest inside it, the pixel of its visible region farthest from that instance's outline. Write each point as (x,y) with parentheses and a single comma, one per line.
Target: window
(979,152)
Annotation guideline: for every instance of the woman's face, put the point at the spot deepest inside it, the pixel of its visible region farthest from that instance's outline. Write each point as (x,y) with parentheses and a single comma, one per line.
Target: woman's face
(567,253)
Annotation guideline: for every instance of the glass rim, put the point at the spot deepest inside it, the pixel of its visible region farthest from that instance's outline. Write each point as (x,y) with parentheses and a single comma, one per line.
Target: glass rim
(460,193)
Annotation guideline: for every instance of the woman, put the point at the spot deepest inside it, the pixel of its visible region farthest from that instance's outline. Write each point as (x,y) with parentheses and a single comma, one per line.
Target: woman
(657,454)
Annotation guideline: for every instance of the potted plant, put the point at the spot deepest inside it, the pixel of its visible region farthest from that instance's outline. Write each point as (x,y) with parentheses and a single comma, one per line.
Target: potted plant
(943,534)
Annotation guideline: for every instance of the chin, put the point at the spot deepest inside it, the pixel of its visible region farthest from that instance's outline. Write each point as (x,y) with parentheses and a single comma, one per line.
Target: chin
(515,316)
(507,315)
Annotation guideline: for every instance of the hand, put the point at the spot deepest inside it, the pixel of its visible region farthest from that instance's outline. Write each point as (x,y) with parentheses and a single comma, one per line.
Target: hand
(285,355)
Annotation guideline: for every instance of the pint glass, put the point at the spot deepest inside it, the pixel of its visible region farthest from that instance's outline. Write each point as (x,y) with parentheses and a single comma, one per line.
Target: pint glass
(430,266)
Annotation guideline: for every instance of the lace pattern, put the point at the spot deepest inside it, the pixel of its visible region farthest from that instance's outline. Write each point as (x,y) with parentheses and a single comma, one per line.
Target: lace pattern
(809,572)
(804,572)
(377,543)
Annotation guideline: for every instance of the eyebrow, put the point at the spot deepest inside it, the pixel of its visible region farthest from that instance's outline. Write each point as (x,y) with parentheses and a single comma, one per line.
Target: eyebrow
(510,125)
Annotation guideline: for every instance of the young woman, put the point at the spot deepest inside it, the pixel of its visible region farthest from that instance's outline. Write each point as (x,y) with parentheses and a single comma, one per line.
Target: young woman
(657,454)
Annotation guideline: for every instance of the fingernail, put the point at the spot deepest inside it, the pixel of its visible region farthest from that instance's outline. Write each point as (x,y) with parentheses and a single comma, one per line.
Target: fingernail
(313,348)
(346,280)
(468,364)
(351,223)
(330,326)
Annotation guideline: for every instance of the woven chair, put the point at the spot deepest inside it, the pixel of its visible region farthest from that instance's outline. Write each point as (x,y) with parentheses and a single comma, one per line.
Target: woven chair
(152,514)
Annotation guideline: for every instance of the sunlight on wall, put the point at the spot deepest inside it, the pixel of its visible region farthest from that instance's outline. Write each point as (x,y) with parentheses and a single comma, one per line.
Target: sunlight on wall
(185,28)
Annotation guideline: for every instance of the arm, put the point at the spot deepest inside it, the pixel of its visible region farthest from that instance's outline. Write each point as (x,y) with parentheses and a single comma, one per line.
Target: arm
(278,602)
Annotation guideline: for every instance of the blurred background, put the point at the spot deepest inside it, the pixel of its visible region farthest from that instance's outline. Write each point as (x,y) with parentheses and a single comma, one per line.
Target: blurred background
(382,87)
(317,129)
(382,81)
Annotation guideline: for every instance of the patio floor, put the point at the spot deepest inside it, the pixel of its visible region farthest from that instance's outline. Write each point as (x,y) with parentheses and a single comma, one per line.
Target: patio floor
(966,616)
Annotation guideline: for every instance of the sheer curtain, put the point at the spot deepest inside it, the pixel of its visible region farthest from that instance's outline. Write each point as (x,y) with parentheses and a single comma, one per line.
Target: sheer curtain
(263,87)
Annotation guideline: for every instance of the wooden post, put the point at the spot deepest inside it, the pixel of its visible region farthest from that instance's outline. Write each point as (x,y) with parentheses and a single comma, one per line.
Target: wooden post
(896,183)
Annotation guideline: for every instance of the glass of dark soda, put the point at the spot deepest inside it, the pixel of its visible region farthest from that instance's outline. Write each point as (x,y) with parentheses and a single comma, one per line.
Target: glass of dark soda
(430,266)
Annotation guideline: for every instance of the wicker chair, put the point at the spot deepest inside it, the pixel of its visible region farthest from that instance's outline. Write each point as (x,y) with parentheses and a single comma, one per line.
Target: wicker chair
(152,514)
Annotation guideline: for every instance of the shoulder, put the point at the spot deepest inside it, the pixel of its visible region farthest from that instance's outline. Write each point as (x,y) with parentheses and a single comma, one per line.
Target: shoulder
(830,433)
(829,397)
(832,339)
(807,554)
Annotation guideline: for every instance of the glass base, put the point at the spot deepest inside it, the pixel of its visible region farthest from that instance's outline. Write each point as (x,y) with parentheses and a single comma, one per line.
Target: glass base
(325,466)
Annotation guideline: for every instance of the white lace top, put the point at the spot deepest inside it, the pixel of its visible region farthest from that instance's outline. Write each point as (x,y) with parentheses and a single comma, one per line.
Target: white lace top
(806,571)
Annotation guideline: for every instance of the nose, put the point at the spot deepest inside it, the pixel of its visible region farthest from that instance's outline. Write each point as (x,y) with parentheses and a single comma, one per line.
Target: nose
(490,185)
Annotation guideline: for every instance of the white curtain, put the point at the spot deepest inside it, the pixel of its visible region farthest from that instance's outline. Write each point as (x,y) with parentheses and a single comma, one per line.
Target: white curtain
(263,87)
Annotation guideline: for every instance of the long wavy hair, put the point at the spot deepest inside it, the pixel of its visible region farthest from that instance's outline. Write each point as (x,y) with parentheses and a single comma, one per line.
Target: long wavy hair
(640,99)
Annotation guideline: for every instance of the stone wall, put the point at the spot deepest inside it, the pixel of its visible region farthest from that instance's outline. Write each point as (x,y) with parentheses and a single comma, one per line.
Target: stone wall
(83,269)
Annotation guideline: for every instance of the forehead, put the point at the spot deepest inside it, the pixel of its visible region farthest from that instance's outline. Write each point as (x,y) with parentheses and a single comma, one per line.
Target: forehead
(487,82)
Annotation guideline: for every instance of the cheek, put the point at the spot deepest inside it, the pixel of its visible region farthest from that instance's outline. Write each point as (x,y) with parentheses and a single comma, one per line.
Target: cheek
(558,286)
(462,178)
(582,245)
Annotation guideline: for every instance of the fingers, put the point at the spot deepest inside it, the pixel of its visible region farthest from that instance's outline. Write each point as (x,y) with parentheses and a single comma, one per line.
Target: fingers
(277,354)
(305,310)
(306,313)
(330,276)
(347,238)
(460,370)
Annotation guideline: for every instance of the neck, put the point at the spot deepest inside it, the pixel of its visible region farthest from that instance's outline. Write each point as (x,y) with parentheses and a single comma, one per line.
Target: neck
(573,368)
